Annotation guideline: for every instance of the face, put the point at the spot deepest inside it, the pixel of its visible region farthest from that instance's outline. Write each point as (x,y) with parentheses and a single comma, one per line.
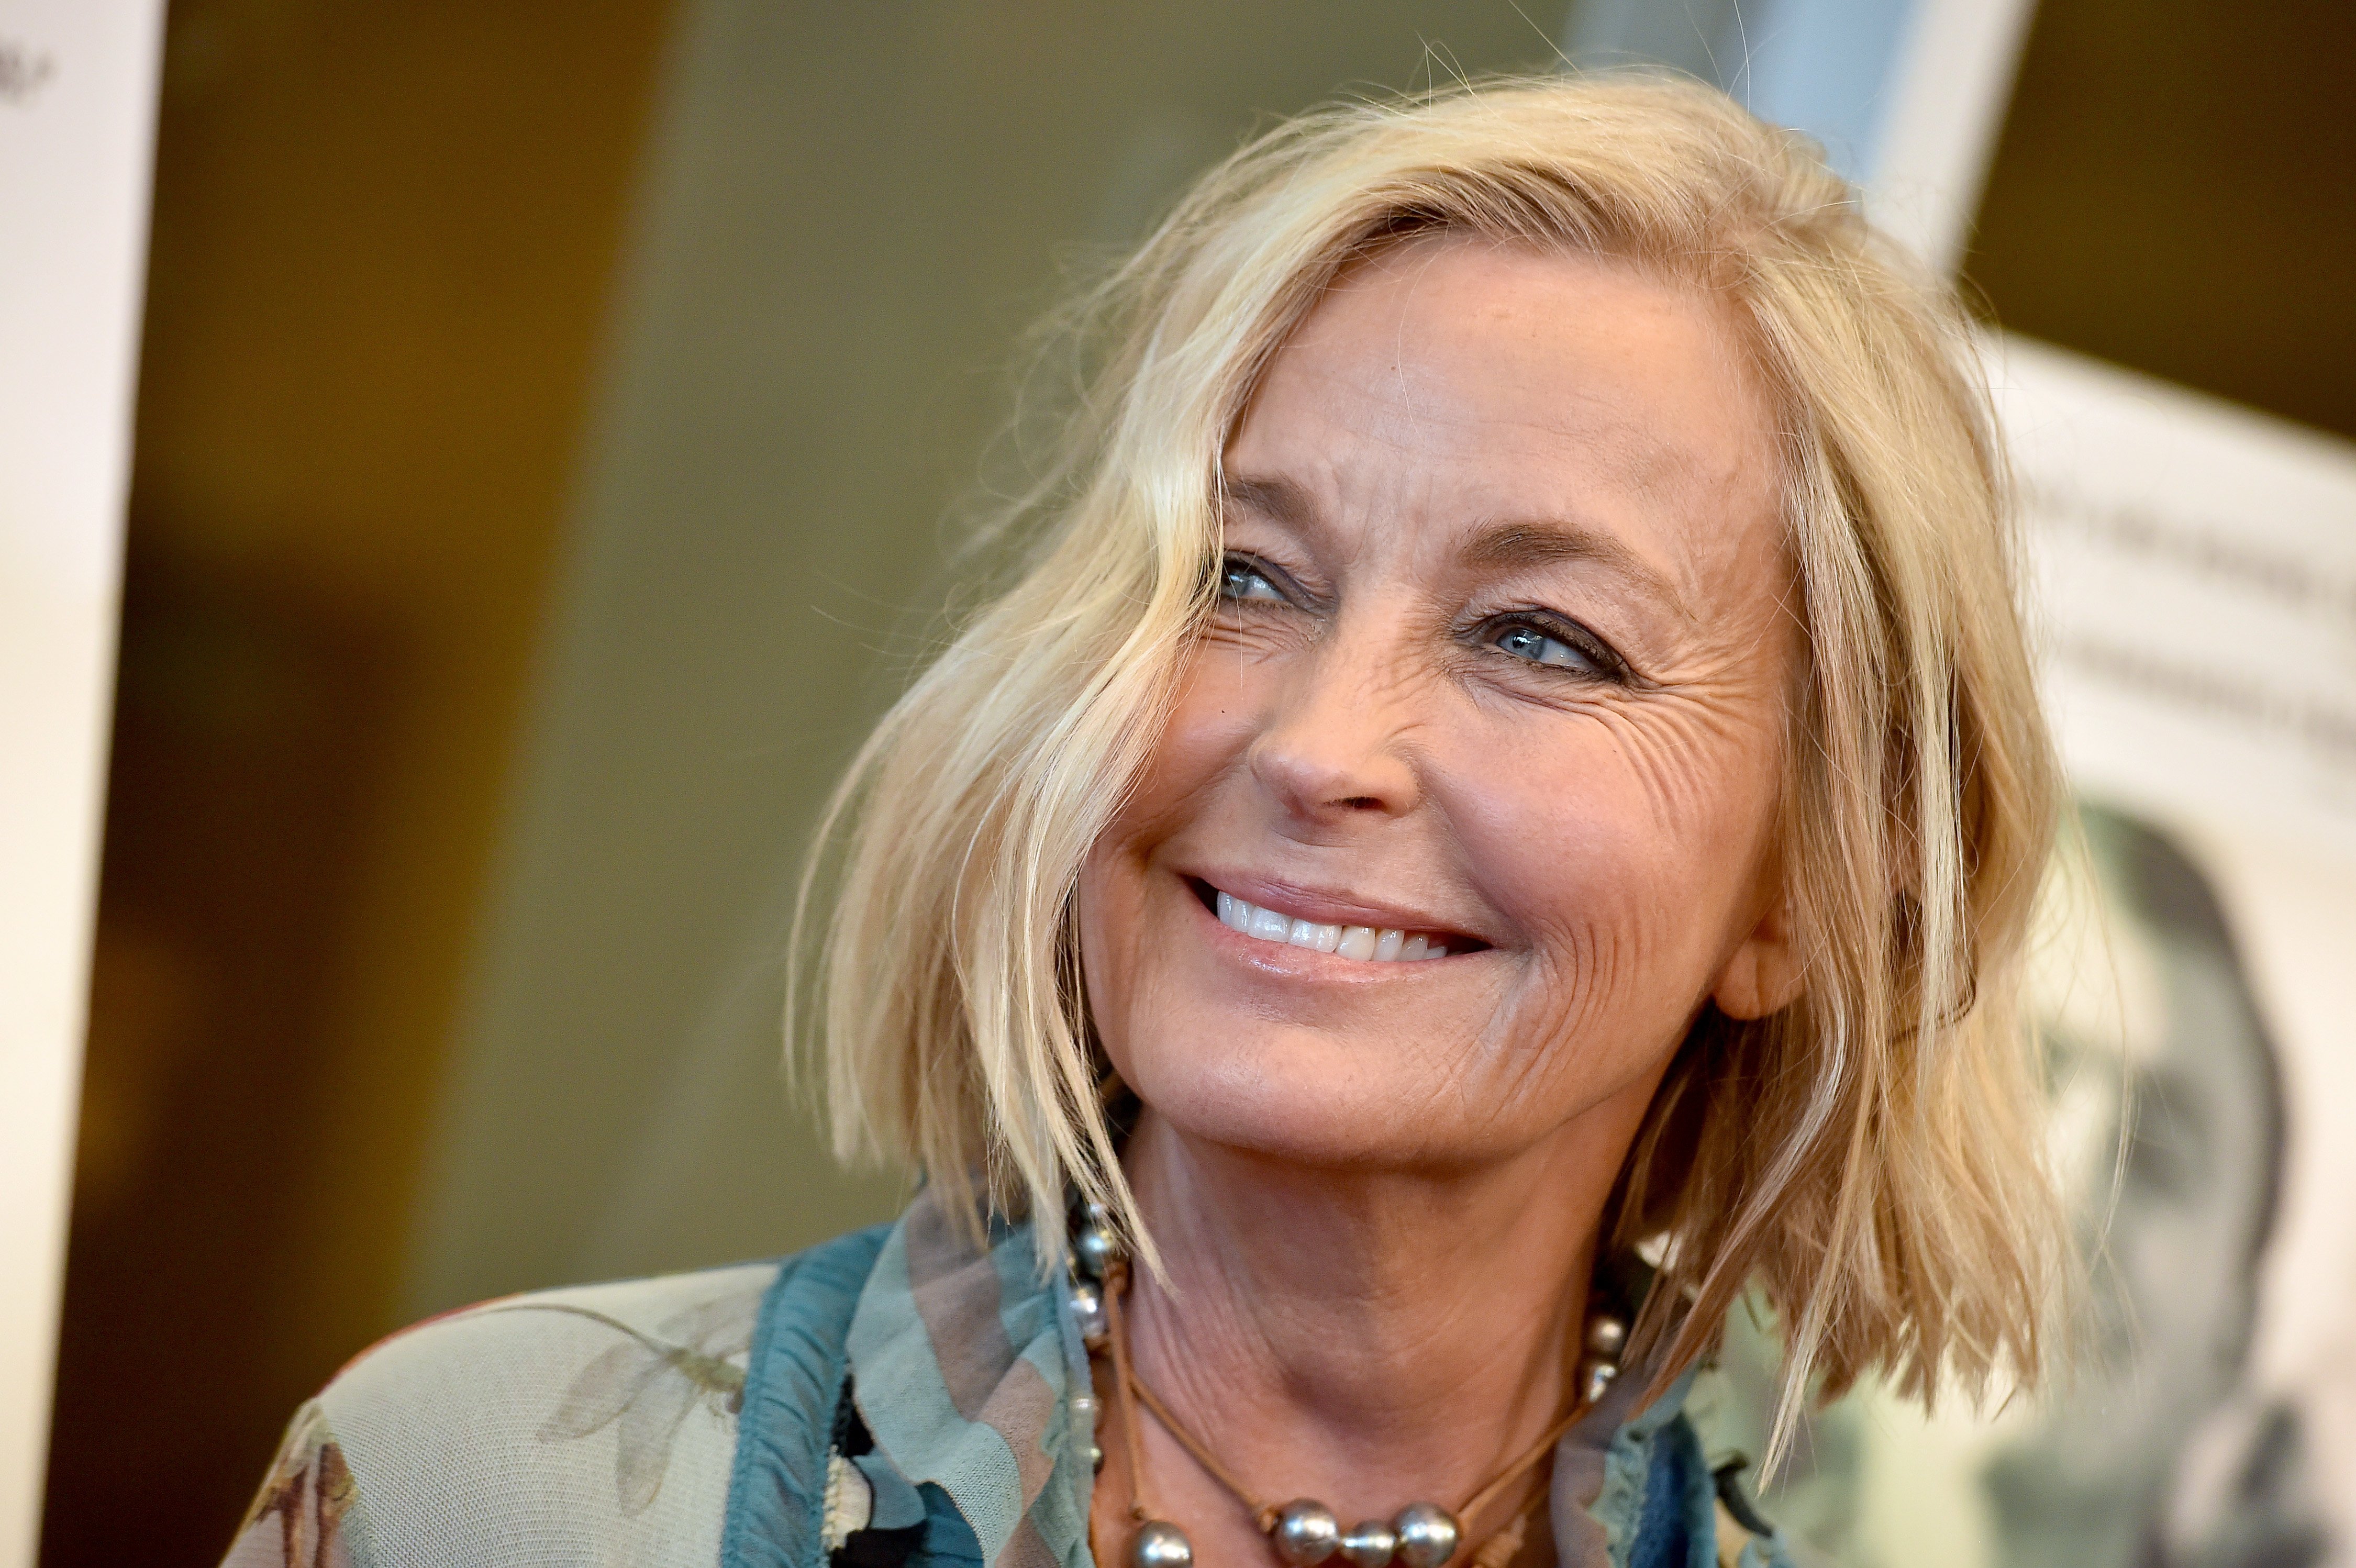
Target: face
(2171,1124)
(1497,678)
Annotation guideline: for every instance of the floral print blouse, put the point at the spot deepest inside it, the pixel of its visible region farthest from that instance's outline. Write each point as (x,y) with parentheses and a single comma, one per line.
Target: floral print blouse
(899,1398)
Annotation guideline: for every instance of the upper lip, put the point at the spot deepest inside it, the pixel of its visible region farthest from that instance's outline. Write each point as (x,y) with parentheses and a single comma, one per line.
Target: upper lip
(1329,906)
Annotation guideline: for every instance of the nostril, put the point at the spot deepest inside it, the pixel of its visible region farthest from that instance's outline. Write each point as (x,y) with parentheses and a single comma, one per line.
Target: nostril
(1312,773)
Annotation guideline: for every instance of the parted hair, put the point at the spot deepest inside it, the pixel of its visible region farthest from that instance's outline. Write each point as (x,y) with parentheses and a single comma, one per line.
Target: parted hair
(1867,1160)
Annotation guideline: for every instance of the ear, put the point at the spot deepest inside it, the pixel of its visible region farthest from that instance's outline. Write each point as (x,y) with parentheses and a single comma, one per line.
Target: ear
(1764,975)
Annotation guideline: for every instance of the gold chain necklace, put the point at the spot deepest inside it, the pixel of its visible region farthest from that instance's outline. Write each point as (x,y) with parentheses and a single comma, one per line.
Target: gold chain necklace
(1303,1531)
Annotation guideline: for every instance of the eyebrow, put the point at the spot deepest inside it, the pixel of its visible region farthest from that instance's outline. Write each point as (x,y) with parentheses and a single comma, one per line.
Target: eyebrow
(1279,501)
(1515,545)
(1512,545)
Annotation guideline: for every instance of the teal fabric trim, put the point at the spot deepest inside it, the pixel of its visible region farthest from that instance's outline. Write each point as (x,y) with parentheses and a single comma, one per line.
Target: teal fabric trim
(1679,1529)
(793,1382)
(1627,1470)
(897,1505)
(948,1540)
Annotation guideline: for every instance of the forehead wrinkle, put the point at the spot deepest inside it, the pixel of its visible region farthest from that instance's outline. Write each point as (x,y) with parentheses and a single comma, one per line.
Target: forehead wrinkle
(1594,429)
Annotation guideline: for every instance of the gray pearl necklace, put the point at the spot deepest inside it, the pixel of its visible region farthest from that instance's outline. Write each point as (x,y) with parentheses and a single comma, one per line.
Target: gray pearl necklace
(1303,1531)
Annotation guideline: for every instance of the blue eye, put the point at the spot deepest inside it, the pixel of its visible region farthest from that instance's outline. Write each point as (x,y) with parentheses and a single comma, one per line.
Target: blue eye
(1246,584)
(1523,640)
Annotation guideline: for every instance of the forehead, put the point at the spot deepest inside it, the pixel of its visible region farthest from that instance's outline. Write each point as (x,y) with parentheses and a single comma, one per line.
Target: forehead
(1511,380)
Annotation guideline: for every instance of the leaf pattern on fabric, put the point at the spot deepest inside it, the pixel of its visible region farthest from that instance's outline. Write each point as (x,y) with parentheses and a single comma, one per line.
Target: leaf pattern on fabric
(297,1519)
(647,1386)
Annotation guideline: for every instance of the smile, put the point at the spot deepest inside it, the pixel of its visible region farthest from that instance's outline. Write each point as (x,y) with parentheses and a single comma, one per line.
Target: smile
(1365,944)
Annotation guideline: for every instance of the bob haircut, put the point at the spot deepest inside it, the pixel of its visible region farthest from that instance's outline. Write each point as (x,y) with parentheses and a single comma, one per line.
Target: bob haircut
(1868,1159)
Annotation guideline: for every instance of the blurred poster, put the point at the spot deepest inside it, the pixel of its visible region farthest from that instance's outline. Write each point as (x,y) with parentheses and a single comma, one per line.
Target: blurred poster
(77,116)
(2193,569)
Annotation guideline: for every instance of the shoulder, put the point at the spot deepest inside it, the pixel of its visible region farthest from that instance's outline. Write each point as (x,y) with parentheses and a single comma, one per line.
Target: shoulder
(588,1424)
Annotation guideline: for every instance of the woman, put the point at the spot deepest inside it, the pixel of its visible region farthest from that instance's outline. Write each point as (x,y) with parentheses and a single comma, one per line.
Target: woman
(1507,753)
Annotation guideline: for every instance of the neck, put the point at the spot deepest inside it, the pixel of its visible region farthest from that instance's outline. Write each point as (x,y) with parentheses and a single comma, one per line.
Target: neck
(1369,1341)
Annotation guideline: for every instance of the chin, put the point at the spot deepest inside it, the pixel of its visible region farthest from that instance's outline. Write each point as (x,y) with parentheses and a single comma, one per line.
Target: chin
(1307,1102)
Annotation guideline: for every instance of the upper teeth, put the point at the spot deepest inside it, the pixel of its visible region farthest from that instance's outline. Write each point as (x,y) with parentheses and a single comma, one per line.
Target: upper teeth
(1375,944)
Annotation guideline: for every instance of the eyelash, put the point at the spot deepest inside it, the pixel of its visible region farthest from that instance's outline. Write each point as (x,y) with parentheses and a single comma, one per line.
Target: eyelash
(1607,664)
(1232,565)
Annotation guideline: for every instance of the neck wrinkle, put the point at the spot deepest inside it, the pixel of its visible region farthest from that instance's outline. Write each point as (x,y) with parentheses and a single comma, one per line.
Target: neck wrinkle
(1369,1341)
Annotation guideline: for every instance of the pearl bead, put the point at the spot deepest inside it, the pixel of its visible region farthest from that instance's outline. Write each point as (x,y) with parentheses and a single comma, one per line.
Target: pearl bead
(1369,1545)
(1158,1543)
(1094,1247)
(1088,1313)
(1096,1459)
(1607,1336)
(1306,1531)
(1428,1535)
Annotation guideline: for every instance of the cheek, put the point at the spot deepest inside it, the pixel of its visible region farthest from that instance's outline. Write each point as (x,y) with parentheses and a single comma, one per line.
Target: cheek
(1627,850)
(1212,721)
(1204,744)
(1222,696)
(1204,740)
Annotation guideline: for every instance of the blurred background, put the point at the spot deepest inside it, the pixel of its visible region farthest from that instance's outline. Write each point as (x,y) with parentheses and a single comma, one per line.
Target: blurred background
(549,421)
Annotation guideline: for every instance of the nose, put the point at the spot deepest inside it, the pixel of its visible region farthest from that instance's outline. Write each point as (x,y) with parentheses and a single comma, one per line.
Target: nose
(1337,745)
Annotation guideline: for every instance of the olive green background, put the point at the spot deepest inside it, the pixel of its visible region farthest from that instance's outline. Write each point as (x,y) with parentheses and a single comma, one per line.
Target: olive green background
(849,216)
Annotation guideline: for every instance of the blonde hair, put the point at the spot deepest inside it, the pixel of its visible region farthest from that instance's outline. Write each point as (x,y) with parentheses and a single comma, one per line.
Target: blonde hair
(1869,1159)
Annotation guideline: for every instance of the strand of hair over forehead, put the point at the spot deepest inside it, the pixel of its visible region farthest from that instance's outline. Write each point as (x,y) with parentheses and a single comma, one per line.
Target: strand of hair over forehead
(950,1000)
